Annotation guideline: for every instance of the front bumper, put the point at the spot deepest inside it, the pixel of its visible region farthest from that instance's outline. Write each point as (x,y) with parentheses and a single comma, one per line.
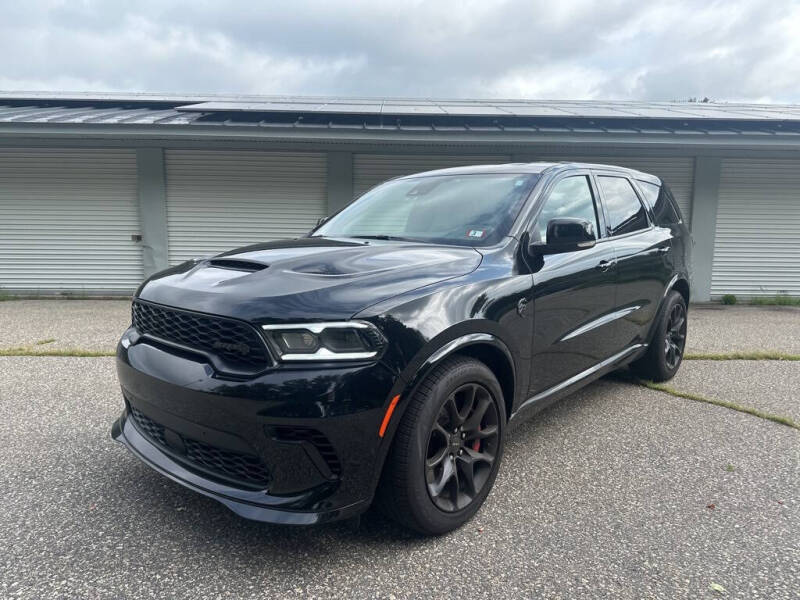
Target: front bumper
(311,432)
(255,505)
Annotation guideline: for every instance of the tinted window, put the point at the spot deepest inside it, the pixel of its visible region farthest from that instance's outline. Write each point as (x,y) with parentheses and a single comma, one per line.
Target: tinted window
(474,210)
(625,212)
(571,197)
(660,200)
(650,191)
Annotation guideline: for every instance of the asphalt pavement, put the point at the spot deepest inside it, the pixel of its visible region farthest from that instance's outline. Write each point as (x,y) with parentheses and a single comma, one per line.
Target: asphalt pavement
(771,386)
(94,325)
(719,329)
(616,492)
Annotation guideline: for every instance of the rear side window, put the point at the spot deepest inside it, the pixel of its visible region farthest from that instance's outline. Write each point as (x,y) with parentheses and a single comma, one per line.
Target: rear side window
(661,201)
(625,212)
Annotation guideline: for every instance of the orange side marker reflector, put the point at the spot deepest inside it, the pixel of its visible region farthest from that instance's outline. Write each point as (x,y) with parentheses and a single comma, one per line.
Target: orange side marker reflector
(388,415)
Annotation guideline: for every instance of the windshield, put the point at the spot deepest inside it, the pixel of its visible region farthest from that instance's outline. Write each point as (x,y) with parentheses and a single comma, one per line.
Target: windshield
(474,210)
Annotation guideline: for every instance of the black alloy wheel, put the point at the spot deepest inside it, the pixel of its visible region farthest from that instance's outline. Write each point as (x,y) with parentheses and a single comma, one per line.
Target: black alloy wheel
(462,447)
(665,351)
(675,339)
(447,449)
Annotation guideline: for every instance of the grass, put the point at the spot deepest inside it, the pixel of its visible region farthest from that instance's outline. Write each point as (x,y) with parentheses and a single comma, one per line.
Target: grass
(752,355)
(730,468)
(30,351)
(723,403)
(46,341)
(5,296)
(780,300)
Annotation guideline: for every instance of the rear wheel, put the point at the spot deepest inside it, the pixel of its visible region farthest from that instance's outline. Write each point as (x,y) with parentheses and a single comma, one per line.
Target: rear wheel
(665,353)
(447,450)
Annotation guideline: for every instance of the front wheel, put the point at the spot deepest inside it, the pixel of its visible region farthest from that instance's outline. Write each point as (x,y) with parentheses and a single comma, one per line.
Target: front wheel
(665,353)
(447,450)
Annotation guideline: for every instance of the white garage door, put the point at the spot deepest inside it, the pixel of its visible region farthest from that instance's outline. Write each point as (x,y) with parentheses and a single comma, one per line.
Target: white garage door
(66,220)
(218,200)
(371,169)
(677,172)
(757,243)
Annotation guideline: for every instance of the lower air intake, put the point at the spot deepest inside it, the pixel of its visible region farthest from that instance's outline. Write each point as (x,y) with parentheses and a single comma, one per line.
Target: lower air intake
(232,466)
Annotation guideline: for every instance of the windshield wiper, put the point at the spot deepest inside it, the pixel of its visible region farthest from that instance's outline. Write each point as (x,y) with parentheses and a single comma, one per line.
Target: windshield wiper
(392,238)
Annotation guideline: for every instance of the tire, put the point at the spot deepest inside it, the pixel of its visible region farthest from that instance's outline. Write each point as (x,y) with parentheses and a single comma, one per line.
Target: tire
(429,432)
(665,352)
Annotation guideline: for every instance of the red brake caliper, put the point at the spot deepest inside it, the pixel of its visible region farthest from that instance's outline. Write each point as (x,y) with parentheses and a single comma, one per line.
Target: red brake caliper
(476,445)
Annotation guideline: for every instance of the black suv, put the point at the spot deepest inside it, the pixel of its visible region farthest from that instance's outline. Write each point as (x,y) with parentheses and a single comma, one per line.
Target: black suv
(385,355)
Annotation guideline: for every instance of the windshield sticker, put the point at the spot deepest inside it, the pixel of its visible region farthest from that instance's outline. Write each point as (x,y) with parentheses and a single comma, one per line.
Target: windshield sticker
(475,233)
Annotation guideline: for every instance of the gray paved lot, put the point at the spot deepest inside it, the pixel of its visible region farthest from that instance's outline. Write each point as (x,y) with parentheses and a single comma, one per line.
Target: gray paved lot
(604,496)
(768,385)
(85,324)
(714,328)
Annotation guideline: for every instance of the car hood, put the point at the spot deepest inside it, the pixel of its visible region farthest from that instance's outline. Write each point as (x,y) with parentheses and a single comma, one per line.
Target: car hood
(306,278)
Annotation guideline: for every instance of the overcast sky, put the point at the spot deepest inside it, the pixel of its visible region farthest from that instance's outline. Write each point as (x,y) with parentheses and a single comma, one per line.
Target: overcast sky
(563,49)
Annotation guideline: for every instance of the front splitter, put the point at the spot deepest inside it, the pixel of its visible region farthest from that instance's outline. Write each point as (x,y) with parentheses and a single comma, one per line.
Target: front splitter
(250,504)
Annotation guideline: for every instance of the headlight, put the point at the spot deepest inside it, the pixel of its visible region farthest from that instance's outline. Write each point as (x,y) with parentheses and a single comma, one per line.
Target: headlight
(340,340)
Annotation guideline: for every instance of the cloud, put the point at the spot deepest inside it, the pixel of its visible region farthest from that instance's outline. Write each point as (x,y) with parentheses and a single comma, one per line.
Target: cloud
(576,49)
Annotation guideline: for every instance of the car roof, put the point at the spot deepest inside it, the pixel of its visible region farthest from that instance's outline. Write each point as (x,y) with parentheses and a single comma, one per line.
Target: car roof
(533,168)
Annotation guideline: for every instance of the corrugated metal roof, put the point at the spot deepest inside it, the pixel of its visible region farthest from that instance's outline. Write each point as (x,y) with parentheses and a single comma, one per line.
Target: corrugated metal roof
(398,114)
(509,108)
(431,106)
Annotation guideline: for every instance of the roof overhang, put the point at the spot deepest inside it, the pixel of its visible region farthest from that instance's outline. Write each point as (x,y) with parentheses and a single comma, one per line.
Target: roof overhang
(67,131)
(477,123)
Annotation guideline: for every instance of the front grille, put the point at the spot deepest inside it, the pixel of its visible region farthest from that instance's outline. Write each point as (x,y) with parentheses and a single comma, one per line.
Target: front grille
(316,438)
(246,468)
(233,341)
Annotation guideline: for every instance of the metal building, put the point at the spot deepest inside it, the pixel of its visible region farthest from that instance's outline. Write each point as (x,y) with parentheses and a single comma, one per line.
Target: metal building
(99,191)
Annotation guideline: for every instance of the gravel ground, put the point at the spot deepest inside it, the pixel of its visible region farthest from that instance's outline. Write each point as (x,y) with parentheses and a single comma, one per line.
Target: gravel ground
(768,385)
(714,328)
(83,324)
(97,325)
(605,495)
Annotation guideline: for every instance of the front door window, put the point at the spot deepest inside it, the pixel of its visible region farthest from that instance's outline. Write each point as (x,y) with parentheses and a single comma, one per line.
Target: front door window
(571,197)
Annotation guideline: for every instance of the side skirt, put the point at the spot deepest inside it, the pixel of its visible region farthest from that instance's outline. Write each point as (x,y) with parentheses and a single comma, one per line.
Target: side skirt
(546,398)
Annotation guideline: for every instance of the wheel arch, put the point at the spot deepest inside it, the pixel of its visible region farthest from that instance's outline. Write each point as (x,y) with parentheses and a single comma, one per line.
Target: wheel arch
(499,363)
(681,285)
(486,347)
(678,283)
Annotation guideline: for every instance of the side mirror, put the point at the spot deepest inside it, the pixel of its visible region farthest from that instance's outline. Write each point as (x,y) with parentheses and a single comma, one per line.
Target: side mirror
(566,235)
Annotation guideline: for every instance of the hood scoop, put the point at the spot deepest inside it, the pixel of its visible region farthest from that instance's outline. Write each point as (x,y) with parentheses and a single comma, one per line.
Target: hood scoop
(321,268)
(237,264)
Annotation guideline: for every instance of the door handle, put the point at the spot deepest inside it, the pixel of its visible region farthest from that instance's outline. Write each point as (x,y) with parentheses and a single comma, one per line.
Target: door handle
(662,249)
(605,265)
